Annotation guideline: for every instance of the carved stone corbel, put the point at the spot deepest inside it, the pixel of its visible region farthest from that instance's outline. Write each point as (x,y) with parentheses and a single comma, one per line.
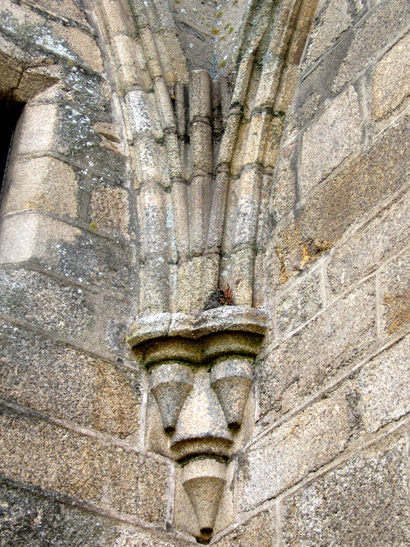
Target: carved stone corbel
(201,374)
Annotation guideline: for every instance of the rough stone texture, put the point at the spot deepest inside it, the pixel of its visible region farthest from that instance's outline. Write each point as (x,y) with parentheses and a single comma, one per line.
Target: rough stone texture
(356,50)
(151,165)
(334,340)
(185,518)
(67,8)
(192,325)
(334,19)
(70,251)
(345,198)
(77,140)
(195,22)
(314,89)
(72,44)
(395,294)
(36,129)
(385,386)
(301,302)
(389,18)
(29,519)
(283,194)
(105,133)
(65,383)
(54,458)
(90,90)
(287,454)
(364,501)
(10,67)
(367,249)
(142,108)
(257,532)
(110,210)
(131,538)
(42,183)
(42,300)
(330,139)
(390,80)
(116,319)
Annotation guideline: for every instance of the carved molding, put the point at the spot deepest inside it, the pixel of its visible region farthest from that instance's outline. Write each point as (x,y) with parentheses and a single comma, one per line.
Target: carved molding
(203,148)
(201,374)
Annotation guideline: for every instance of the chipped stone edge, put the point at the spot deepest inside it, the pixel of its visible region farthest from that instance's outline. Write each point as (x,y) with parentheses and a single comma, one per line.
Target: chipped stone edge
(226,318)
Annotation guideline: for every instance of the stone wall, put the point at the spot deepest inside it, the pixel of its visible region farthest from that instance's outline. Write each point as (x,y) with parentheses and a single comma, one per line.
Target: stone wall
(327,461)
(329,464)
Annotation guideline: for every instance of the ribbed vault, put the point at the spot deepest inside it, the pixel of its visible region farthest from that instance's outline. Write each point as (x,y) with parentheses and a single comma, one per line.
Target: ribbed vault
(202,143)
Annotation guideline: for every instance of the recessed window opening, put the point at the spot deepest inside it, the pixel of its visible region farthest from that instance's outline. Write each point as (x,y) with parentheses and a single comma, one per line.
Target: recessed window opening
(9,115)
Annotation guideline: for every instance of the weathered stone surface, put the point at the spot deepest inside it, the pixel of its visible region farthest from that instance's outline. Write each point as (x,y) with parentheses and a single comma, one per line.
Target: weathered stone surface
(201,426)
(77,139)
(334,340)
(391,79)
(44,301)
(110,210)
(389,18)
(116,318)
(150,159)
(356,49)
(11,69)
(334,19)
(395,294)
(302,301)
(54,458)
(29,519)
(170,49)
(61,41)
(343,199)
(283,194)
(68,131)
(194,22)
(26,228)
(35,81)
(117,18)
(287,454)
(131,538)
(65,383)
(132,69)
(191,325)
(170,384)
(42,183)
(201,152)
(385,386)
(87,89)
(36,129)
(228,22)
(143,112)
(259,531)
(69,121)
(185,518)
(204,481)
(367,249)
(153,277)
(81,254)
(243,264)
(330,139)
(246,192)
(83,46)
(315,88)
(365,501)
(66,8)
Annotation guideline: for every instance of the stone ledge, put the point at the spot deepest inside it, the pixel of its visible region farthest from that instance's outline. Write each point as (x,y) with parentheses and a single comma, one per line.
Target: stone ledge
(225,318)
